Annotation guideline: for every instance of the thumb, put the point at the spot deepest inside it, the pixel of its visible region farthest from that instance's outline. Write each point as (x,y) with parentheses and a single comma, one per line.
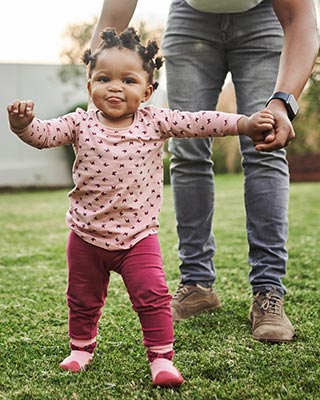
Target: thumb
(269,136)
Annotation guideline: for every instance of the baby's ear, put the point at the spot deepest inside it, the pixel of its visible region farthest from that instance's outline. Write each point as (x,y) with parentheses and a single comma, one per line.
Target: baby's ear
(89,87)
(147,94)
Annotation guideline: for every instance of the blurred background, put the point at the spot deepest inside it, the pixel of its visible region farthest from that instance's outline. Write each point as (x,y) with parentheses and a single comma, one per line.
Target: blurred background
(40,60)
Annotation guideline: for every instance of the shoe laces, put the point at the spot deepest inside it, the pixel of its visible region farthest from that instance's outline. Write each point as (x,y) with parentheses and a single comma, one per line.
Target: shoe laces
(182,289)
(272,303)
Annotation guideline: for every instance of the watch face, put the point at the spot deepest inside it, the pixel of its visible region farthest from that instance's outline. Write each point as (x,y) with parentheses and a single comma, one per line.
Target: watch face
(293,104)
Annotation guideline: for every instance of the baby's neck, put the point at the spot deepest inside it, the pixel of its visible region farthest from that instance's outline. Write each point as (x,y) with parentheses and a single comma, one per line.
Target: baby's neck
(120,122)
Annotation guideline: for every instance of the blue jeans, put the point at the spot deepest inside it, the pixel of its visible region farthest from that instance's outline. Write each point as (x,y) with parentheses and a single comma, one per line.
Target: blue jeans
(200,49)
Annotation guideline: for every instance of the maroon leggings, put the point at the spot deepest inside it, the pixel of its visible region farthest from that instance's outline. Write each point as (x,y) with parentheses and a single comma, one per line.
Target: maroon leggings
(142,273)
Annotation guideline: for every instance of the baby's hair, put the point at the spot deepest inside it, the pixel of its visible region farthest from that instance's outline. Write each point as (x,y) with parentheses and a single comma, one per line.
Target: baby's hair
(128,39)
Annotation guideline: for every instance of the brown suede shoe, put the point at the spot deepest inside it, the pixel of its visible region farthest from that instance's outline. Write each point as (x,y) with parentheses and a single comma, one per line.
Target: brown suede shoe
(269,321)
(191,300)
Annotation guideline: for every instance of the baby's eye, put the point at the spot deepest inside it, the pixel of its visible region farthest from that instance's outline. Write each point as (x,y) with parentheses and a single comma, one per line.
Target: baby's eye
(104,79)
(129,81)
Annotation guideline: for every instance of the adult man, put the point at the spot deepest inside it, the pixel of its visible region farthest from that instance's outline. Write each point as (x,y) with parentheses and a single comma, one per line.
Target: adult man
(269,47)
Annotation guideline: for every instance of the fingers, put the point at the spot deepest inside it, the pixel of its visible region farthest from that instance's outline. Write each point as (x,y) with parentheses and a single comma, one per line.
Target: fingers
(266,117)
(269,136)
(279,136)
(20,114)
(270,146)
(267,112)
(264,138)
(278,143)
(262,125)
(266,128)
(21,108)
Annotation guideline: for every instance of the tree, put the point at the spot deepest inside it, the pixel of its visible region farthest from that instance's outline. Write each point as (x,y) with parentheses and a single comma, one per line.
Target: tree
(76,40)
(307,123)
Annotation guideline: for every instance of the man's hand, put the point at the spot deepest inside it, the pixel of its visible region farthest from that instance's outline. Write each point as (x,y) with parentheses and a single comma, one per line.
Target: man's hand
(21,114)
(282,135)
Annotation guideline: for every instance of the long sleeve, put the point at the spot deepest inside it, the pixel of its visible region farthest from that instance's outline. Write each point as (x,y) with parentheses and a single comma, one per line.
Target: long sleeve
(50,133)
(194,124)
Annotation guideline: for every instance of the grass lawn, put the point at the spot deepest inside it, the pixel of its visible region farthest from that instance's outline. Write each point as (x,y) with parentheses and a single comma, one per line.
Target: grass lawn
(215,353)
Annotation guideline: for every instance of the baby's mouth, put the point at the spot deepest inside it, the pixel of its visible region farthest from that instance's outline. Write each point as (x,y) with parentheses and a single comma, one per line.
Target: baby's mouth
(114,100)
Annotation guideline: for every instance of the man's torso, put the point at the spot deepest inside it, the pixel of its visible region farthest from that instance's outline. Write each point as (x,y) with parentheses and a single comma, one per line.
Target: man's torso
(223,6)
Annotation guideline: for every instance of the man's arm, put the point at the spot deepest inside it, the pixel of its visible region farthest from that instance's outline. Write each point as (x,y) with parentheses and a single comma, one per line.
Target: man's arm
(301,44)
(114,14)
(300,47)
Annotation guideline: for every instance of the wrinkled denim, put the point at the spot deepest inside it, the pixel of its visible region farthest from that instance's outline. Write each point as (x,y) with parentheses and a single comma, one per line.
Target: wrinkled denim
(200,49)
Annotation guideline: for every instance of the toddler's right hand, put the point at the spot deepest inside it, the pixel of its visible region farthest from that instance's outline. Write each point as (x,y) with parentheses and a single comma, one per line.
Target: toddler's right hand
(20,113)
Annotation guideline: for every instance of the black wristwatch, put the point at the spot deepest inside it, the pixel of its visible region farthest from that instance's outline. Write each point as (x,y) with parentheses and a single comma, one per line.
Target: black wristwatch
(289,101)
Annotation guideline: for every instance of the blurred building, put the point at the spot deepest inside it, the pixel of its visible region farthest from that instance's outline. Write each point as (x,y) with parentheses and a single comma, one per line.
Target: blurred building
(22,166)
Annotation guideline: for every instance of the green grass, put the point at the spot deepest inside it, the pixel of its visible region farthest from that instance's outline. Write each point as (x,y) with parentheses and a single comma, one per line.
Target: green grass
(215,353)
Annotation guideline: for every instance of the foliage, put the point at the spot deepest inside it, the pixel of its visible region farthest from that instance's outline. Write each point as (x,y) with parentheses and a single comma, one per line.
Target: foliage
(215,352)
(307,123)
(76,40)
(313,93)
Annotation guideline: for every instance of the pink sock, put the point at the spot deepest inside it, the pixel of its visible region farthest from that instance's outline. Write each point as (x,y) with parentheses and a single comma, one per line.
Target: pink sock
(163,372)
(81,355)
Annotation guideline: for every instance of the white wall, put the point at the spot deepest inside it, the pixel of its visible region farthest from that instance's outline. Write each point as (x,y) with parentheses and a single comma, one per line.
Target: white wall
(20,164)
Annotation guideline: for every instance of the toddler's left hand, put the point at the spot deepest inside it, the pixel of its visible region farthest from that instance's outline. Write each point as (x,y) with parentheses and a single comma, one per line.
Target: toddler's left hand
(260,127)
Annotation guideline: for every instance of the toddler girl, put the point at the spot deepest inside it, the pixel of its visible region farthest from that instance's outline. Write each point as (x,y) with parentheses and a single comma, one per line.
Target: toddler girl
(114,205)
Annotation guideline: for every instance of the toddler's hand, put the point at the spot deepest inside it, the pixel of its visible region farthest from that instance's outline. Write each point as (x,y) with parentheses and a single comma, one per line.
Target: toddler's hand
(259,127)
(282,133)
(20,113)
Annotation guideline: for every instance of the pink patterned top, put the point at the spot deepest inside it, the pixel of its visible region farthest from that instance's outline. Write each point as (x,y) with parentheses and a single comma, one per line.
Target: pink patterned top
(118,173)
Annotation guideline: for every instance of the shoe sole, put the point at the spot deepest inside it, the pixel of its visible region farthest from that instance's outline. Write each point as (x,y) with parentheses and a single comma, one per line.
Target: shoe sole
(273,341)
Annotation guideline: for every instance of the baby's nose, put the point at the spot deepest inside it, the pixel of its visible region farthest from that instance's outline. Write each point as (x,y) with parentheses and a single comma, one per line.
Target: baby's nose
(114,87)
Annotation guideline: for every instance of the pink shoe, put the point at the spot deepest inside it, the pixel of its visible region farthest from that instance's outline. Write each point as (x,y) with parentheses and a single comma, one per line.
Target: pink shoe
(79,358)
(77,361)
(163,372)
(167,376)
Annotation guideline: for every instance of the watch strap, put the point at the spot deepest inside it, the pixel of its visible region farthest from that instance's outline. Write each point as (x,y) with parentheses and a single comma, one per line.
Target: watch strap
(289,101)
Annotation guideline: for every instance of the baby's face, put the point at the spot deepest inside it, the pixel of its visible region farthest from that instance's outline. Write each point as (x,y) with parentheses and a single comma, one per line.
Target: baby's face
(119,84)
